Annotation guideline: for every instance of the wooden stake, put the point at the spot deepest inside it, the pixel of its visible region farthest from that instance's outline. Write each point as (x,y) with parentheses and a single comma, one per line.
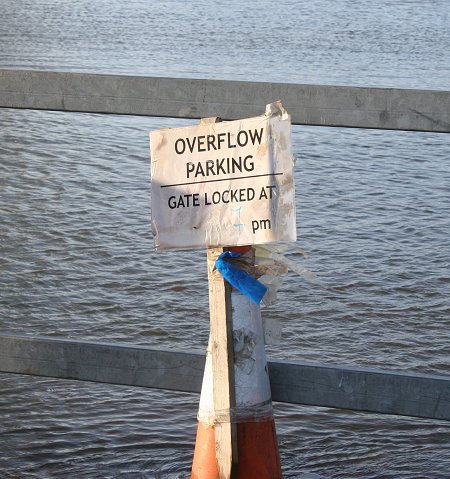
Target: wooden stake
(222,352)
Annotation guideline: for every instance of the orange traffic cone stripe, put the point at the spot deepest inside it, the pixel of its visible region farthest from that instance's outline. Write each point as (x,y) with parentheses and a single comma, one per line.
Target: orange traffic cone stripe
(204,465)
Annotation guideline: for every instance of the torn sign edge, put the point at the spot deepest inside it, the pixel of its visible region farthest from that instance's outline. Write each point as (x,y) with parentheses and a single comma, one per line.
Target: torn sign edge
(272,111)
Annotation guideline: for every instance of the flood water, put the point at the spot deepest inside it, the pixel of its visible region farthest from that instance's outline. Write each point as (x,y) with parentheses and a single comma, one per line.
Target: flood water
(76,249)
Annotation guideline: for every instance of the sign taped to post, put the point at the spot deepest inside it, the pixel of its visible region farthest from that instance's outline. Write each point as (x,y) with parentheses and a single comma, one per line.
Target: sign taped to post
(223,184)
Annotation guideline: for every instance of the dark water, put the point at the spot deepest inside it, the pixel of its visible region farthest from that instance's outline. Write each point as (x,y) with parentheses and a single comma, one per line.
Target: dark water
(76,251)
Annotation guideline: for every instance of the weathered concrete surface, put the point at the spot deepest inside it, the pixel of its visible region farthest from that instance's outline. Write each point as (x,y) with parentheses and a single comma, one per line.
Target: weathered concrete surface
(323,105)
(359,389)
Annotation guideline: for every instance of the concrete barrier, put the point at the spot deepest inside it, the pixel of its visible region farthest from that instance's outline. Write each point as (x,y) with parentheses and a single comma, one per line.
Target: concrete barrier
(344,387)
(322,105)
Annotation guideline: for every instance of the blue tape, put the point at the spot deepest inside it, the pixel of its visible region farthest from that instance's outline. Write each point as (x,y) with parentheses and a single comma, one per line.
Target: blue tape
(239,279)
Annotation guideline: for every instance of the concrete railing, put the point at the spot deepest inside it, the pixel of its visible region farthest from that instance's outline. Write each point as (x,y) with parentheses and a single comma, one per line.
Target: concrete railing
(359,389)
(322,105)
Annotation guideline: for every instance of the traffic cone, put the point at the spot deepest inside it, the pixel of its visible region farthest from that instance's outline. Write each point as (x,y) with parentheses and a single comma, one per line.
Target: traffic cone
(258,456)
(204,464)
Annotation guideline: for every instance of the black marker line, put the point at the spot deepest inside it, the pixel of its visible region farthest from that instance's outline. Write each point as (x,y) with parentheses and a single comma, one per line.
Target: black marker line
(221,179)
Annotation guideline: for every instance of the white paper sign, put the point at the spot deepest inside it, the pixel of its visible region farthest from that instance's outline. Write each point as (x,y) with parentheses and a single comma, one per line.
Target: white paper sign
(224,184)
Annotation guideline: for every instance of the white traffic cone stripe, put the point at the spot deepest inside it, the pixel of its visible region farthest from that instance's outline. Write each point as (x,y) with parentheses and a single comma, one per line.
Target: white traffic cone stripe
(252,386)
